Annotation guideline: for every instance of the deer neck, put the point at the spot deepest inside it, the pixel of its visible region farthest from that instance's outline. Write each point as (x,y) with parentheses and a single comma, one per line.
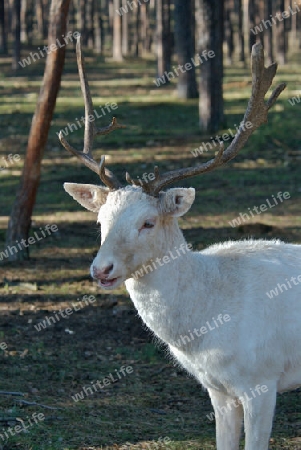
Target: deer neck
(158,293)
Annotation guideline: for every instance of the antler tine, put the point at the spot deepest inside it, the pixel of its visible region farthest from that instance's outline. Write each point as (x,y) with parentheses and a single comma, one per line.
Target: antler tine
(91,130)
(256,113)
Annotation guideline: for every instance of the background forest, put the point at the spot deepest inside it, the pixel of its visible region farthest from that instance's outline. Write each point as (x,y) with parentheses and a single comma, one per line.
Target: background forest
(177,74)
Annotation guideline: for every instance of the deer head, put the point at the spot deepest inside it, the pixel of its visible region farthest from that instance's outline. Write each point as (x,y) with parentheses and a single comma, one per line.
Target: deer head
(139,221)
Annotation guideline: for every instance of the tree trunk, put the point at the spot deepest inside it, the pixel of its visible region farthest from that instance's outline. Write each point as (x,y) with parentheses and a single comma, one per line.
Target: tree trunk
(150,28)
(97,29)
(229,30)
(241,37)
(268,35)
(252,17)
(90,23)
(136,29)
(210,20)
(81,24)
(281,34)
(144,24)
(3,42)
(42,12)
(20,219)
(184,40)
(163,37)
(117,46)
(24,37)
(16,34)
(125,31)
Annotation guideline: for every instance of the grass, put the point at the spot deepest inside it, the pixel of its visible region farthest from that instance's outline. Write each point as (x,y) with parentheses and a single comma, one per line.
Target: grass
(157,400)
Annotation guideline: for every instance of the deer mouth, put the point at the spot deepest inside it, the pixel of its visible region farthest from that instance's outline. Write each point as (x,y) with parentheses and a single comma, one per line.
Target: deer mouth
(108,283)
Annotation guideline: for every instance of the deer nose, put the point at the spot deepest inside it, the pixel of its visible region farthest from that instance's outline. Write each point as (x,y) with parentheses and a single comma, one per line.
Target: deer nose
(102,273)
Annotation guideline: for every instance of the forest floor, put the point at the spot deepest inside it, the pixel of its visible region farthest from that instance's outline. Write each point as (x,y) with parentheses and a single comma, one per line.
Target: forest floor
(148,402)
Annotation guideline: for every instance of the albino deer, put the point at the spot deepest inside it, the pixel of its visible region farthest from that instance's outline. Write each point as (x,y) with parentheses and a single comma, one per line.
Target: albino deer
(254,351)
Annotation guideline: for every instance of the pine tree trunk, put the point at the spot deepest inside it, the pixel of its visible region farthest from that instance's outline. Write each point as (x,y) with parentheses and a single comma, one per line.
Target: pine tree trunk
(17,34)
(125,31)
(252,16)
(281,34)
(210,20)
(117,36)
(98,42)
(163,37)
(3,42)
(20,219)
(229,31)
(241,37)
(184,40)
(268,35)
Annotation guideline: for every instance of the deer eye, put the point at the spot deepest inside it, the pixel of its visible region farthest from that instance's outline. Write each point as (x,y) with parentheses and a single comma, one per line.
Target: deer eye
(148,224)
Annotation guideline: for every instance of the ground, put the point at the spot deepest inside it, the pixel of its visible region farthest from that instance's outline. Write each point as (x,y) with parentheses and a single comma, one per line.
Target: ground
(148,402)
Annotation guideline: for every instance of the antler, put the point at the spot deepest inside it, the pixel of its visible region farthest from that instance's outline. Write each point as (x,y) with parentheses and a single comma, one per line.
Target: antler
(256,113)
(91,130)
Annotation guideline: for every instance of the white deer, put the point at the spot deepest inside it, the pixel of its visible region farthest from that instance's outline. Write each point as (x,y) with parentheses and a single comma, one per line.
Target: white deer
(209,307)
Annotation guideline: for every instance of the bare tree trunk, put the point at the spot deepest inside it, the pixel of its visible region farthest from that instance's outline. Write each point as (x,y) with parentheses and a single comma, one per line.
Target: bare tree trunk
(27,17)
(136,29)
(117,37)
(81,24)
(150,27)
(241,37)
(90,23)
(229,30)
(97,28)
(42,11)
(144,27)
(125,31)
(184,40)
(24,37)
(252,17)
(20,219)
(211,86)
(17,34)
(268,36)
(3,42)
(163,37)
(281,34)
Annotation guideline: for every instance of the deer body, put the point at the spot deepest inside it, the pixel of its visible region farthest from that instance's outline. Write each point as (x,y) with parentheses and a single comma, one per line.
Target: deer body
(242,362)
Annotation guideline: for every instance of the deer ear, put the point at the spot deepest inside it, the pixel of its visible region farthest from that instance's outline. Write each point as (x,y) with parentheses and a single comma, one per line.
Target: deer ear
(89,196)
(177,201)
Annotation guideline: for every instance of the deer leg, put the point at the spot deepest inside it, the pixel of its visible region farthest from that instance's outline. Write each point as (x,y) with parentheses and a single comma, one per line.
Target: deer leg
(228,419)
(258,418)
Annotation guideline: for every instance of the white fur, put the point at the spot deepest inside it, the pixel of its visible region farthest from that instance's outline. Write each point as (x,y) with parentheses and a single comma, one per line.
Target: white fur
(259,345)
